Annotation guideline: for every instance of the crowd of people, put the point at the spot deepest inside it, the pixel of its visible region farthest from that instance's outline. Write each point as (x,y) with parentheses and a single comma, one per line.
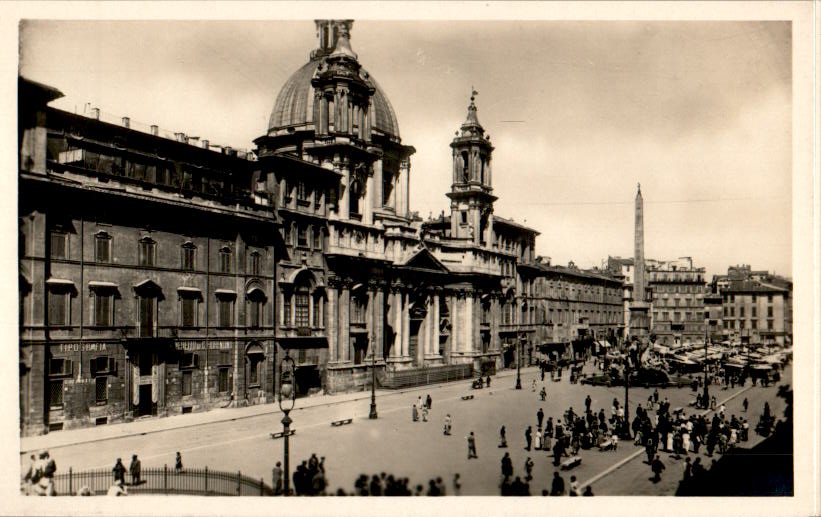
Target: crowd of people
(38,475)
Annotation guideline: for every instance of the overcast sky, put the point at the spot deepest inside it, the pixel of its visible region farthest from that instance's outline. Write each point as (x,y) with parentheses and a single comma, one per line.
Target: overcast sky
(579,112)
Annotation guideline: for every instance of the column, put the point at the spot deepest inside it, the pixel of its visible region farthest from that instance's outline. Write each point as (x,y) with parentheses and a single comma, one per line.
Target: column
(435,326)
(454,324)
(331,325)
(379,324)
(344,195)
(396,313)
(405,325)
(344,343)
(370,322)
(469,331)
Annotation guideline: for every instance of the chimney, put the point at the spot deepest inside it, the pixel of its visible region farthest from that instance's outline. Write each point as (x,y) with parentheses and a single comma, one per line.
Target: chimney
(155,130)
(126,122)
(181,137)
(205,144)
(95,113)
(226,149)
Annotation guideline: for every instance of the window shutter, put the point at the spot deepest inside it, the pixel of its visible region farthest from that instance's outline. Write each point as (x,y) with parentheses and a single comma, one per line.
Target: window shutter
(68,367)
(196,361)
(112,364)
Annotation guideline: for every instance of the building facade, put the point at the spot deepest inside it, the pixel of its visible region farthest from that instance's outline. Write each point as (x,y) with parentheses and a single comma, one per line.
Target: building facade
(678,290)
(756,306)
(575,305)
(146,284)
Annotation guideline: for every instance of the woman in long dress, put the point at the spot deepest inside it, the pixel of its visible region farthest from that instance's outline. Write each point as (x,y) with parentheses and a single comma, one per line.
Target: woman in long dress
(538,439)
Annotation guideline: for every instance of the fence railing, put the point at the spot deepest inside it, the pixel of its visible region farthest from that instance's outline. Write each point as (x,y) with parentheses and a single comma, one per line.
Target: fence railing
(422,376)
(164,480)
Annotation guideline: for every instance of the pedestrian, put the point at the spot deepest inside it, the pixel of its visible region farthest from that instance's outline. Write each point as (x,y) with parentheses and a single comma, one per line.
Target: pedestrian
(533,385)
(448,421)
(419,402)
(424,413)
(543,374)
(47,467)
(538,440)
(117,489)
(119,471)
(543,394)
(587,403)
(588,491)
(688,470)
(540,417)
(503,438)
(134,469)
(26,485)
(415,413)
(657,467)
(574,486)
(440,485)
(655,396)
(429,402)
(528,469)
(277,475)
(557,487)
(471,446)
(745,404)
(457,484)
(178,463)
(548,428)
(546,441)
(528,437)
(650,449)
(488,381)
(713,402)
(507,467)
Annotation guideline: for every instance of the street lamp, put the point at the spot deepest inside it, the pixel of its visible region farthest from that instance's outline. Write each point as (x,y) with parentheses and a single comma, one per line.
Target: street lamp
(518,362)
(286,399)
(372,415)
(706,397)
(626,423)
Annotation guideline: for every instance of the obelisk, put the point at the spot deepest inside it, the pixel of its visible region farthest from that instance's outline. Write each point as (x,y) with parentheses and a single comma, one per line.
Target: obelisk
(639,323)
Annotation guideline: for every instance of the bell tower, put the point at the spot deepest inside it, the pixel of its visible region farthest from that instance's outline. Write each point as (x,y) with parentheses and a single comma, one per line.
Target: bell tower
(471,200)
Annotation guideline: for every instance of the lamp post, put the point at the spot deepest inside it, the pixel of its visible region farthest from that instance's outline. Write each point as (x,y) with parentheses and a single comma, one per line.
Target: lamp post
(286,399)
(706,396)
(372,415)
(626,423)
(518,362)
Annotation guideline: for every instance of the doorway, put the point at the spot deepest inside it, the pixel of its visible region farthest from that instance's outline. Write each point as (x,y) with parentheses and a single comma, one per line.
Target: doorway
(413,340)
(145,406)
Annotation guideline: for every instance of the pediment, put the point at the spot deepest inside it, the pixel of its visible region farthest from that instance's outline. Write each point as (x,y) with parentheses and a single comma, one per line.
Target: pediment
(424,260)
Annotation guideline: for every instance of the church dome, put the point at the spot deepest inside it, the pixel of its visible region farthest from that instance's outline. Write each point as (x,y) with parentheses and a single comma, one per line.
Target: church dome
(294,107)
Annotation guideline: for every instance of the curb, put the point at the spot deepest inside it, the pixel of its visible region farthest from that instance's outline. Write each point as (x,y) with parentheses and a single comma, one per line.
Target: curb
(274,410)
(609,470)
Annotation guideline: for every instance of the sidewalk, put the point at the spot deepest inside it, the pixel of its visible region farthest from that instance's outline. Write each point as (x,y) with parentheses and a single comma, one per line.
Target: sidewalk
(159,424)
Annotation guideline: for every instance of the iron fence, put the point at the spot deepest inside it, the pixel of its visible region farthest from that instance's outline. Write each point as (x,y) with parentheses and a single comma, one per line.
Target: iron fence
(422,376)
(162,480)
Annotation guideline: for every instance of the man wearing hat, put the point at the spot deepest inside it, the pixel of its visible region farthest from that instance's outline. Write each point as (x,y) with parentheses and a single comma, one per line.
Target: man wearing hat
(134,469)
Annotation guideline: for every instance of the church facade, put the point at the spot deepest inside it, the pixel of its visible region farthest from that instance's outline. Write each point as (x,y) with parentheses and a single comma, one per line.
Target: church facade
(362,281)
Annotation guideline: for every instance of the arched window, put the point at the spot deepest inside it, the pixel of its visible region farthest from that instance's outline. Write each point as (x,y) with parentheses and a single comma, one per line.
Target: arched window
(465,167)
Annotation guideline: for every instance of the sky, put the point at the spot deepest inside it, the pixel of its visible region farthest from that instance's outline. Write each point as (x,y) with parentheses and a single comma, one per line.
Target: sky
(699,113)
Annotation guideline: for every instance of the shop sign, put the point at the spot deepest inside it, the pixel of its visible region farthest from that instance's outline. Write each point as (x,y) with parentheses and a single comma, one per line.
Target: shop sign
(83,347)
(190,346)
